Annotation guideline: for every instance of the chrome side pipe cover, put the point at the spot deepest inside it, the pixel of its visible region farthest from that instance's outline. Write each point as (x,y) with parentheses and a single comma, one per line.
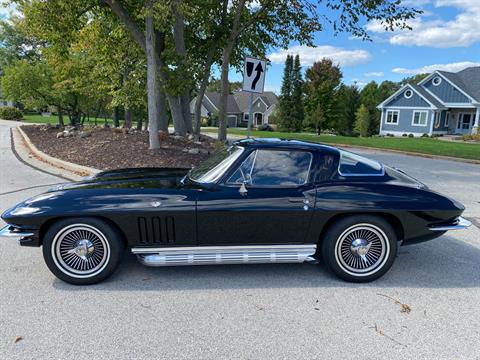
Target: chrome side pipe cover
(211,255)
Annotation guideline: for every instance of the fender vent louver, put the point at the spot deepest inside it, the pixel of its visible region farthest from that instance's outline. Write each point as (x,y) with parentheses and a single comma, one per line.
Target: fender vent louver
(156,230)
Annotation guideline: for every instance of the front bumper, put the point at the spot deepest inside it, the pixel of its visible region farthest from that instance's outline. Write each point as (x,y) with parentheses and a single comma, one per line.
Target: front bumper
(459,224)
(11,231)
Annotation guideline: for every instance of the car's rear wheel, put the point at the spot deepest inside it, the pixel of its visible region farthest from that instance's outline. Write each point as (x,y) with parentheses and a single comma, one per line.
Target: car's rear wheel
(359,248)
(82,251)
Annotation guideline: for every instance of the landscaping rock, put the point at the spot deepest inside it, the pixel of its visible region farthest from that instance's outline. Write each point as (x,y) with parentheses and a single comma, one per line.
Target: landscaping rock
(85,134)
(60,135)
(194,151)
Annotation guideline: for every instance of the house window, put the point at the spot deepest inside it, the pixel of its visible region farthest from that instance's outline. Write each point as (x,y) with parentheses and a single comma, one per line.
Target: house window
(408,94)
(437,81)
(419,118)
(392,117)
(245,117)
(447,119)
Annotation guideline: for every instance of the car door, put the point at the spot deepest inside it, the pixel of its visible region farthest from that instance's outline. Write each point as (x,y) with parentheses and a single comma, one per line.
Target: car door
(267,199)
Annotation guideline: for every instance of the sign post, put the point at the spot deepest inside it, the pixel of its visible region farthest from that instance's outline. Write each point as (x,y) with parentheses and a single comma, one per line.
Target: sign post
(253,82)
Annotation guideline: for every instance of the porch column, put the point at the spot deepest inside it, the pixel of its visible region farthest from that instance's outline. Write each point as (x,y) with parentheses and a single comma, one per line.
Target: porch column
(382,115)
(476,124)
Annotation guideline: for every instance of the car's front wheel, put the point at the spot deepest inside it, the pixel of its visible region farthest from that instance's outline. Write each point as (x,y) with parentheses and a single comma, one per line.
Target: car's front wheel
(82,251)
(359,248)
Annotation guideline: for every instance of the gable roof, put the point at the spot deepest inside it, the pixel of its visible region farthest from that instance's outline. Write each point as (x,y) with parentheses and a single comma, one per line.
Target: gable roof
(242,98)
(427,96)
(237,102)
(214,98)
(434,103)
(466,81)
(470,77)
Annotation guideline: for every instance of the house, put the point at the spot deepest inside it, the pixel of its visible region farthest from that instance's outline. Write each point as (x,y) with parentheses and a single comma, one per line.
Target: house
(238,107)
(442,103)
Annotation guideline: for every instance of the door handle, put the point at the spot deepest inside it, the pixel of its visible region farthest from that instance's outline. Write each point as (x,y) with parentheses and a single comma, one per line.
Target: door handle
(299,200)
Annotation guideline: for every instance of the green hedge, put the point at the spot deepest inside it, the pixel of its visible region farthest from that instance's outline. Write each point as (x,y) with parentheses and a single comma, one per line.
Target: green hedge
(10,113)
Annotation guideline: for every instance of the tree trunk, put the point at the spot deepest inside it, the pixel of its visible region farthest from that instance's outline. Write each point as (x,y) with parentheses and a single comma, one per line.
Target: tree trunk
(177,115)
(60,117)
(128,117)
(152,81)
(224,91)
(115,116)
(179,40)
(224,86)
(162,110)
(201,91)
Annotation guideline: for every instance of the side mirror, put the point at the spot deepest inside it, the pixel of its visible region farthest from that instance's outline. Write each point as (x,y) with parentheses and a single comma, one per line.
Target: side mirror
(243,190)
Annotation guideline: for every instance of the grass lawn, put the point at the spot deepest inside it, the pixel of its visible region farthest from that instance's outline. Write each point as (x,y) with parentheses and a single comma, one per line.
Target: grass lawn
(427,146)
(53,119)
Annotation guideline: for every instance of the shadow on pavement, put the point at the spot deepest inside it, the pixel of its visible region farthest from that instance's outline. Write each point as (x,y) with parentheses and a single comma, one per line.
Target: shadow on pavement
(442,263)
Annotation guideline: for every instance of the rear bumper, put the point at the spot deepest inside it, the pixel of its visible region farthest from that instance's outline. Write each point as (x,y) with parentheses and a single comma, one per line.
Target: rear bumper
(459,224)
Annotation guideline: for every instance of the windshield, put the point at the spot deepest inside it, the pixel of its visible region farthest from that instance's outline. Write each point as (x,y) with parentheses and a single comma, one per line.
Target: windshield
(212,169)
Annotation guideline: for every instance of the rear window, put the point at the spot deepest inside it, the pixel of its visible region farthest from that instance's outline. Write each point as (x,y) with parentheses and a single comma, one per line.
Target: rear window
(355,165)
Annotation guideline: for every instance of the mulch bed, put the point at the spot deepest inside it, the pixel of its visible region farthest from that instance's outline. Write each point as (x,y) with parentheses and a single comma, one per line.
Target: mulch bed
(107,149)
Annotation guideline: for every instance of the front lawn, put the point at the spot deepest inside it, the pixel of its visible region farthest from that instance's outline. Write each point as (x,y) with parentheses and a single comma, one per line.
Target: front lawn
(53,119)
(427,146)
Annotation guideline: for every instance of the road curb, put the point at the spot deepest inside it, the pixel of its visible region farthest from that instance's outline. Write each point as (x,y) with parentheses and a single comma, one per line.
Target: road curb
(410,153)
(29,153)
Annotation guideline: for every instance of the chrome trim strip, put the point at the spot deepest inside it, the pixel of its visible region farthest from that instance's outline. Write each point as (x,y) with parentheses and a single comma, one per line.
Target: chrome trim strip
(210,255)
(461,224)
(8,232)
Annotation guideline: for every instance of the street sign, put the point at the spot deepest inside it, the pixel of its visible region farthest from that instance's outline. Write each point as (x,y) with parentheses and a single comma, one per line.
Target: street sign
(254,75)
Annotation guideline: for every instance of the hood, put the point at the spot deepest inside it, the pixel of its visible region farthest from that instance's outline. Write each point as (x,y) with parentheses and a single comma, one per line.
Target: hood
(128,178)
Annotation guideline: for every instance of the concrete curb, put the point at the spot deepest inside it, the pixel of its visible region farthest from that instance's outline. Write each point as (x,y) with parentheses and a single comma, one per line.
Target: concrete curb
(29,153)
(429,156)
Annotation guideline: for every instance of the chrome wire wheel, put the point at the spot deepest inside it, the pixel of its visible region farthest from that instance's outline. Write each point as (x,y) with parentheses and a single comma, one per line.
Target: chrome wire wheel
(362,249)
(80,250)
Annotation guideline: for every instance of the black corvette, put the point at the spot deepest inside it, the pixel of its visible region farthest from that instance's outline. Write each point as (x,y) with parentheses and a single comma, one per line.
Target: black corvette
(259,201)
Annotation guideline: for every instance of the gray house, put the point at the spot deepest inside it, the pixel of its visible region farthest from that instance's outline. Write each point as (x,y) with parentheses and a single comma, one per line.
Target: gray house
(442,103)
(237,107)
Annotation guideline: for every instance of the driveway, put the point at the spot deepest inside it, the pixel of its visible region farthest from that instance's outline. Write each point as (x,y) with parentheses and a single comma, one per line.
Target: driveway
(252,311)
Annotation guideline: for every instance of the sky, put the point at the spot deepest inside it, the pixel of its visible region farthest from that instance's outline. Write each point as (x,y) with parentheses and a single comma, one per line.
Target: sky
(445,37)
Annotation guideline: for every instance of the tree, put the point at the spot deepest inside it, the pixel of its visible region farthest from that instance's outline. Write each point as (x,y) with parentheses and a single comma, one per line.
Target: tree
(362,122)
(369,98)
(214,85)
(297,95)
(348,103)
(285,103)
(321,84)
(415,79)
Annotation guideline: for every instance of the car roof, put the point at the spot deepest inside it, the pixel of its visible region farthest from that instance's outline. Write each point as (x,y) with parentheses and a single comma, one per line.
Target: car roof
(284,143)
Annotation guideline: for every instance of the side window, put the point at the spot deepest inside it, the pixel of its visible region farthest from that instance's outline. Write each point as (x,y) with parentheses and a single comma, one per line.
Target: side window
(274,168)
(355,165)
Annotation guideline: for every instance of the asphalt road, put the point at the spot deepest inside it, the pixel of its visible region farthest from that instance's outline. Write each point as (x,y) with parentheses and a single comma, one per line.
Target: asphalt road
(251,311)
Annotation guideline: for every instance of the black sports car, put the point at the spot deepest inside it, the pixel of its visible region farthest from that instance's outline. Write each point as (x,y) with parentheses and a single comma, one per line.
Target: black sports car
(259,201)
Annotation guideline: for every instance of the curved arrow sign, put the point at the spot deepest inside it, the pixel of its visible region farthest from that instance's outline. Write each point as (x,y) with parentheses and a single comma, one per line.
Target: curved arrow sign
(254,75)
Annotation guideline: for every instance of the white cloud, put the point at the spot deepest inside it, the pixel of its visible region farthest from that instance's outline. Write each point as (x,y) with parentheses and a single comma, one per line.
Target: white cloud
(462,31)
(374,74)
(308,55)
(452,67)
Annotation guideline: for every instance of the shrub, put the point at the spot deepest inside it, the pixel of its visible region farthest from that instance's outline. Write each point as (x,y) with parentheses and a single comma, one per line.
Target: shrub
(390,135)
(410,135)
(471,137)
(425,135)
(10,113)
(265,127)
(405,135)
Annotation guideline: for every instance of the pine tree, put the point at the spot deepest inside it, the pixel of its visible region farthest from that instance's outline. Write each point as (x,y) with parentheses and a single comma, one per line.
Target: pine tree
(285,104)
(362,122)
(297,95)
(369,98)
